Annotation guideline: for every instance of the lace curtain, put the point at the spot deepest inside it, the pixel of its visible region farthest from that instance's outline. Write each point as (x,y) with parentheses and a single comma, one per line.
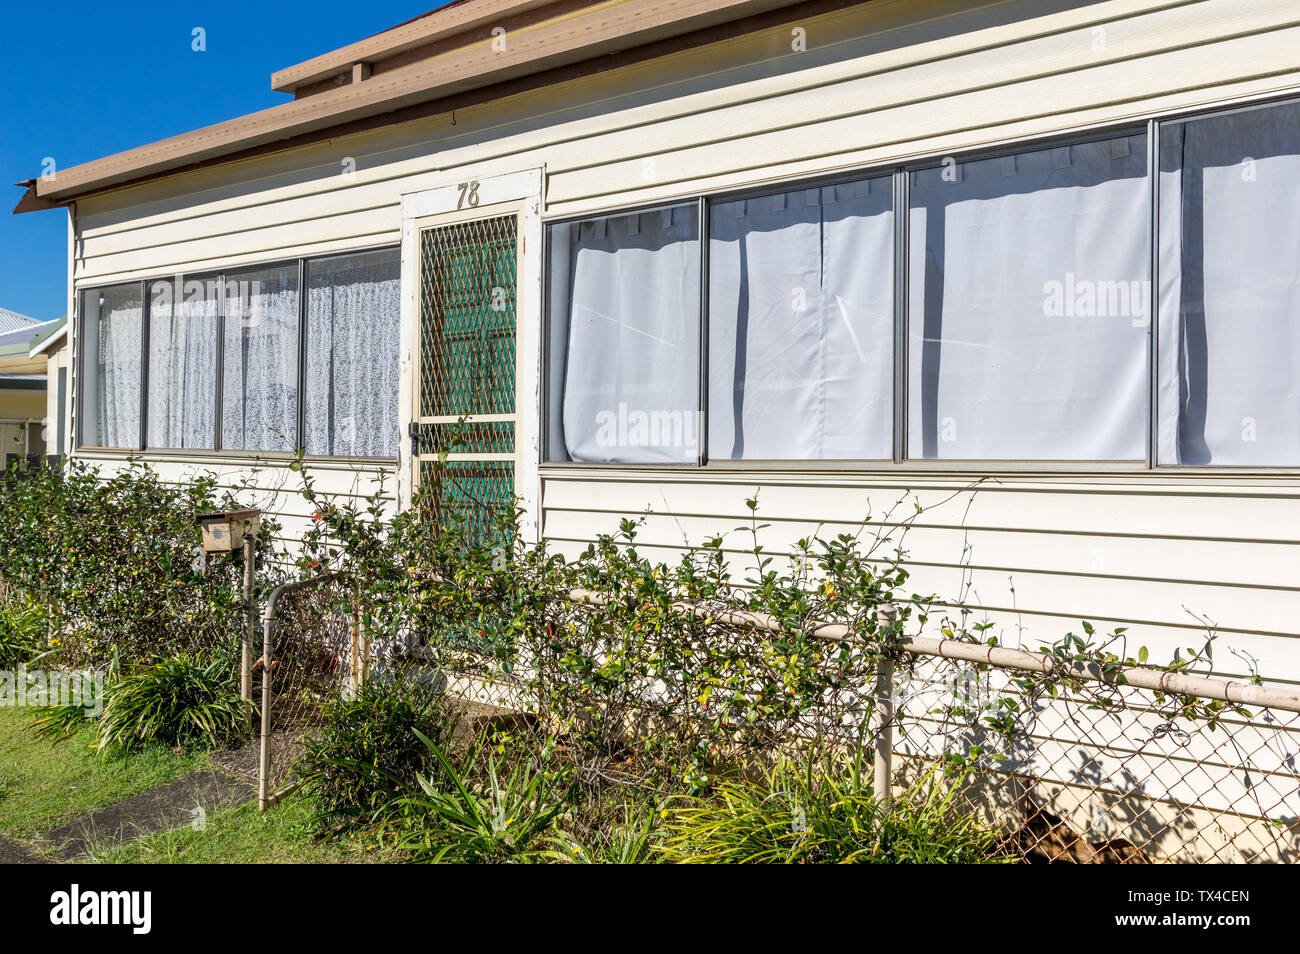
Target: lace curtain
(259,408)
(353,343)
(111,402)
(182,365)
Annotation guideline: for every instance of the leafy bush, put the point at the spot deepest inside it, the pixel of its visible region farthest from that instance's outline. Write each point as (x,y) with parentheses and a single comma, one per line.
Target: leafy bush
(118,562)
(662,678)
(23,628)
(184,700)
(510,821)
(368,753)
(630,839)
(808,814)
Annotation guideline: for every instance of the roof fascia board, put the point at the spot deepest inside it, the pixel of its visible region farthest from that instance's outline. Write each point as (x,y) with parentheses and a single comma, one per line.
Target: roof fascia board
(447,22)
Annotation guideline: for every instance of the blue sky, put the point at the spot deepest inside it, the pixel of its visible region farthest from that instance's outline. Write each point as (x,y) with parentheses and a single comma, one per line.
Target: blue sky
(106,77)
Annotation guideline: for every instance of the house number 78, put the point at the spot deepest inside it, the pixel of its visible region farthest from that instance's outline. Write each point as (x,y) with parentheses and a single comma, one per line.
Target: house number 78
(468,194)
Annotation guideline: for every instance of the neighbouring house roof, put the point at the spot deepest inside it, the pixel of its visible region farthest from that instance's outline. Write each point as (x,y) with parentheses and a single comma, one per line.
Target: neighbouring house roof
(12,321)
(21,350)
(427,65)
(52,333)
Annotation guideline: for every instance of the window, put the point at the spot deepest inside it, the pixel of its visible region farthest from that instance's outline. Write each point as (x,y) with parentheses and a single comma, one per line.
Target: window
(1229,333)
(259,392)
(182,391)
(1026,322)
(625,337)
(353,329)
(801,324)
(223,355)
(111,339)
(1028,314)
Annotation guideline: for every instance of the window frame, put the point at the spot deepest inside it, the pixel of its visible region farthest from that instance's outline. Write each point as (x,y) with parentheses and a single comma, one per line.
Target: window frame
(146,362)
(304,303)
(1149,125)
(80,330)
(298,264)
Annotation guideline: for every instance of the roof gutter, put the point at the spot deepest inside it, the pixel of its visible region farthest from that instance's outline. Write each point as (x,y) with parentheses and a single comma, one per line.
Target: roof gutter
(602,29)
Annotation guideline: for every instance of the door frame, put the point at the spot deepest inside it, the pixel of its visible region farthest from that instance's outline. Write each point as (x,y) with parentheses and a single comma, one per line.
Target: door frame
(518,193)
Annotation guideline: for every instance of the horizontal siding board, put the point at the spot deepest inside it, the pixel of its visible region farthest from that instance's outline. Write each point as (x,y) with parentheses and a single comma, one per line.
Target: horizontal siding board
(268,242)
(1168,512)
(1053,96)
(1005,550)
(1103,600)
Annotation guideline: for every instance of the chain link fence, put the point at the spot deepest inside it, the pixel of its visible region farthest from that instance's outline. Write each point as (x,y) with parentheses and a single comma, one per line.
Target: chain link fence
(1079,767)
(309,652)
(1106,774)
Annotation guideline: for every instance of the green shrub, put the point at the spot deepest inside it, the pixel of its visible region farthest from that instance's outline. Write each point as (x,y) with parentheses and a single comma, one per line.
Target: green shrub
(823,815)
(510,821)
(184,700)
(23,628)
(629,838)
(118,562)
(368,753)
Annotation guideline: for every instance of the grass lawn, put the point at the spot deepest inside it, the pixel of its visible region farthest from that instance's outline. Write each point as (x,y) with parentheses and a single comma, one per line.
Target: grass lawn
(43,784)
(240,835)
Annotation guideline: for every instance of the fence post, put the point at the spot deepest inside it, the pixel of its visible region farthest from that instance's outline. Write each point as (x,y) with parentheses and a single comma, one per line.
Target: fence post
(250,625)
(264,752)
(883,712)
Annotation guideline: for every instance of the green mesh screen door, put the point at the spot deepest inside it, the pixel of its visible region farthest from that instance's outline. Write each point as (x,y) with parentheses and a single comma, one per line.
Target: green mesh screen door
(466,402)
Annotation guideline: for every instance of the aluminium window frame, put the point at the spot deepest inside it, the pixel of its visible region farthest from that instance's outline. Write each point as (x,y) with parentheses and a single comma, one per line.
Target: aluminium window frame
(80,322)
(304,305)
(146,364)
(898,461)
(1149,124)
(217,452)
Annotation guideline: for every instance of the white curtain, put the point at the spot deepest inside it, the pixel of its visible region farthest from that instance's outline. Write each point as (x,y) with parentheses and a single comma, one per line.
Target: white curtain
(625,346)
(182,401)
(259,407)
(1229,388)
(353,330)
(111,406)
(801,326)
(1029,306)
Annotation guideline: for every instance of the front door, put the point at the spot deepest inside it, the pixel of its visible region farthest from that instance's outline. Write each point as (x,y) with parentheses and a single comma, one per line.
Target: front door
(467,341)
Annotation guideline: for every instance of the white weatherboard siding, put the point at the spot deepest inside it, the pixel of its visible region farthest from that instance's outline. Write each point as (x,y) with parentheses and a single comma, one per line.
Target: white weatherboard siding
(879,83)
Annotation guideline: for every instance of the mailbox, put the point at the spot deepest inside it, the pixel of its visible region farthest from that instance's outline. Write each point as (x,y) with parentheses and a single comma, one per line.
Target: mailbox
(225,530)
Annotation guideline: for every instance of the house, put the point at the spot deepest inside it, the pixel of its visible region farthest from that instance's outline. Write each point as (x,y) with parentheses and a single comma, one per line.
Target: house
(1035,263)
(33,412)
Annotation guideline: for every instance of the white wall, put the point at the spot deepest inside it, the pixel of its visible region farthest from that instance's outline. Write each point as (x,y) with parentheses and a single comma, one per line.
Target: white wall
(879,83)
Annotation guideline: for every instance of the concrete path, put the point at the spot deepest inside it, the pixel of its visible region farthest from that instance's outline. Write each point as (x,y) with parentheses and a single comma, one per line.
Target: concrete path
(16,853)
(183,802)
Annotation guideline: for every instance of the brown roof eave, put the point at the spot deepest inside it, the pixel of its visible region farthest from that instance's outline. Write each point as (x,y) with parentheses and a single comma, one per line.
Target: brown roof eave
(610,35)
(461,16)
(31,202)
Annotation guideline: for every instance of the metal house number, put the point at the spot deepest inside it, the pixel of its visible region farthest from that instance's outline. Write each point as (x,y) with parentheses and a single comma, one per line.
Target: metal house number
(468,194)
